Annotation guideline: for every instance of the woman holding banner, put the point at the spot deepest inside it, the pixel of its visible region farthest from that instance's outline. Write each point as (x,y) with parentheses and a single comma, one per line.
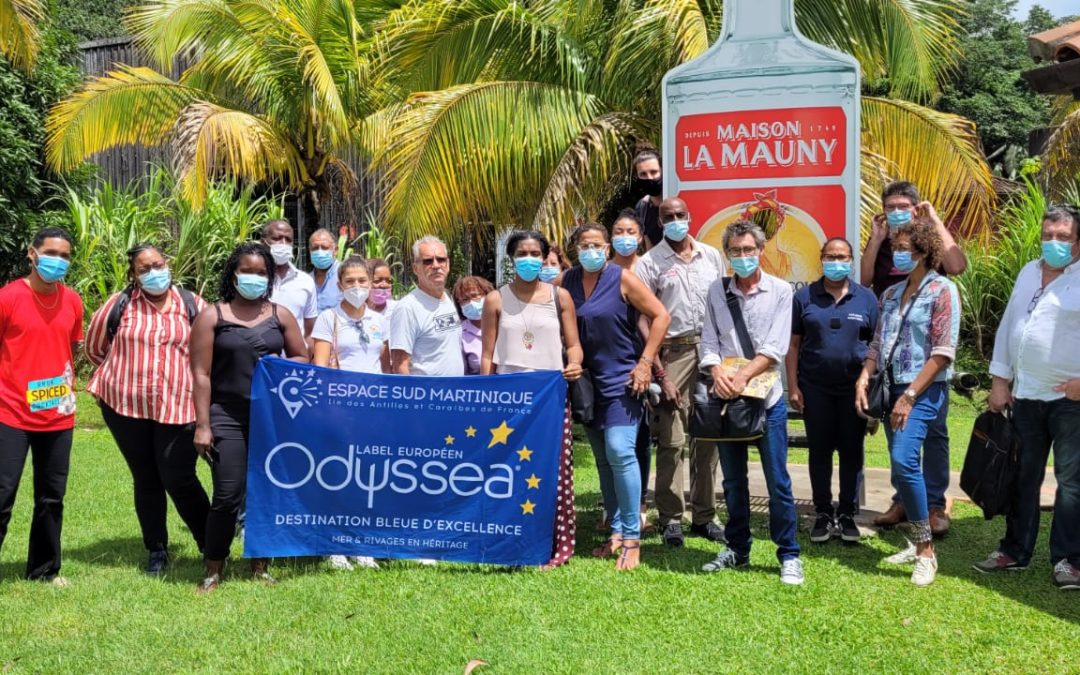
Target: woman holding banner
(609,304)
(527,325)
(227,340)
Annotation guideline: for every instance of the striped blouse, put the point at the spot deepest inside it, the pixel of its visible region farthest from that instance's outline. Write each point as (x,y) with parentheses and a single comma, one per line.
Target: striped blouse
(146,372)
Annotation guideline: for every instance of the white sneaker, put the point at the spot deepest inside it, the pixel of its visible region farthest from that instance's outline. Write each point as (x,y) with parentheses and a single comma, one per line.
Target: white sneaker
(905,557)
(365,562)
(925,570)
(340,562)
(429,562)
(791,572)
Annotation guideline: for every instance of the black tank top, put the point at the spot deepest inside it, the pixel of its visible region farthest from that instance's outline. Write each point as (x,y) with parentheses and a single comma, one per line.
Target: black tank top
(237,348)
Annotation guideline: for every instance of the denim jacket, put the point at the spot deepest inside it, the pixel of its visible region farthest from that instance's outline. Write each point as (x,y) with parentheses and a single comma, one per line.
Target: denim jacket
(932,328)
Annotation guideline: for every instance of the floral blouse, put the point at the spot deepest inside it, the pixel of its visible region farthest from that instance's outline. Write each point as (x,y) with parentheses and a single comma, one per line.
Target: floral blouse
(932,328)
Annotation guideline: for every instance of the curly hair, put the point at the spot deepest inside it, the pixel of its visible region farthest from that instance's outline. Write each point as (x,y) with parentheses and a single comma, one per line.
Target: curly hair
(227,288)
(925,240)
(560,253)
(468,285)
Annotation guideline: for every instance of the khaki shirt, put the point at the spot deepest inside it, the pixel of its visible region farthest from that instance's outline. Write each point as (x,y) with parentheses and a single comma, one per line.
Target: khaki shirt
(681,286)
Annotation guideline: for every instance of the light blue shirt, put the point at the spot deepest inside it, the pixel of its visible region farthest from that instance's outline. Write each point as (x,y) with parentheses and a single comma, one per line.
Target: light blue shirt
(932,328)
(329,293)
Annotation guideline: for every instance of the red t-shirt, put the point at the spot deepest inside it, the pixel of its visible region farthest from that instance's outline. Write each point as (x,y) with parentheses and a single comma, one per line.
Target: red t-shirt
(37,371)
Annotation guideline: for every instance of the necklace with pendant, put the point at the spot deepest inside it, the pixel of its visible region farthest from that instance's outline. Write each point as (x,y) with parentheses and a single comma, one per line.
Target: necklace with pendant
(527,338)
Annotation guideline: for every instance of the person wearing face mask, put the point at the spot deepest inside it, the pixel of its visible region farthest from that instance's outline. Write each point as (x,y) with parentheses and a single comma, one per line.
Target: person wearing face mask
(901,205)
(649,179)
(1036,371)
(469,293)
(139,341)
(381,298)
(227,340)
(679,271)
(528,325)
(555,264)
(609,302)
(832,323)
(40,329)
(322,249)
(764,303)
(291,288)
(915,344)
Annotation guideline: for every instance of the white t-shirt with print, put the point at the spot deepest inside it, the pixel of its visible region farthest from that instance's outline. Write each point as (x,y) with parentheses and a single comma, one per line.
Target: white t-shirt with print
(429,330)
(354,353)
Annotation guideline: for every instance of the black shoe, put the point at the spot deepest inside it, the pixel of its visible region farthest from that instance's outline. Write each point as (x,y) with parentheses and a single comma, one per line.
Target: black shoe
(849,531)
(709,530)
(673,535)
(823,528)
(157,563)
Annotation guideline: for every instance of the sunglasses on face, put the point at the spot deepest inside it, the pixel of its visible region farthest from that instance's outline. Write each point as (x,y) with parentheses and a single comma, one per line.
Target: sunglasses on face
(436,260)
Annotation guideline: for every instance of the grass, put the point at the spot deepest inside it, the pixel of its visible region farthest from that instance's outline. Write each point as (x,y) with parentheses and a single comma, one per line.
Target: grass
(854,613)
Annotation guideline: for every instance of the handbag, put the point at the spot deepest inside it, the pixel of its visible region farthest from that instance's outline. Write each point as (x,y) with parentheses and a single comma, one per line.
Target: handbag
(992,464)
(879,384)
(582,398)
(715,419)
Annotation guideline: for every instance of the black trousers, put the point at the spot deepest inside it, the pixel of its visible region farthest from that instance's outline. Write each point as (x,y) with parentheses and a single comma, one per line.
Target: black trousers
(51,456)
(230,428)
(833,425)
(643,451)
(162,459)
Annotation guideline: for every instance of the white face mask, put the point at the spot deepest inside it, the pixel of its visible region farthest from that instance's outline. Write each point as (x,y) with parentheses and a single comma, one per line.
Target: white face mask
(282,253)
(356,296)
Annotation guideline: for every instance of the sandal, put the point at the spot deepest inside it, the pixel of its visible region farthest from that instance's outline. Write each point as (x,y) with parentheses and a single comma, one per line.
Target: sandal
(647,529)
(625,563)
(611,546)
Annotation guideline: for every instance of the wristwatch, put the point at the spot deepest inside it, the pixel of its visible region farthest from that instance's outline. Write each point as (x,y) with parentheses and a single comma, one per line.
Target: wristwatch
(911,395)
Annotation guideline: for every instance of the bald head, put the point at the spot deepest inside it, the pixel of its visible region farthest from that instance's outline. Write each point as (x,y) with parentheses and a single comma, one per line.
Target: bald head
(672,209)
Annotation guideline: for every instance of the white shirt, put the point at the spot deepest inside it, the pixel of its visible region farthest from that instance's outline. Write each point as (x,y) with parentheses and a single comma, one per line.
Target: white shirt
(296,292)
(1040,350)
(329,295)
(767,313)
(353,352)
(681,286)
(428,330)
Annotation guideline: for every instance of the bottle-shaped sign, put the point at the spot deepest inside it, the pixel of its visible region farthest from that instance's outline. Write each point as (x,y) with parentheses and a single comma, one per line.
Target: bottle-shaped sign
(765,126)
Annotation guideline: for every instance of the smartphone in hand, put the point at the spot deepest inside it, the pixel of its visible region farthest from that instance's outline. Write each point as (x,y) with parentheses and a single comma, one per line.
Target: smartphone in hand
(212,456)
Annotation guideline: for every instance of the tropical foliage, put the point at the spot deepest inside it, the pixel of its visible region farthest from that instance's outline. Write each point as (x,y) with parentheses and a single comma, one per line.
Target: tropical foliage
(197,241)
(19,31)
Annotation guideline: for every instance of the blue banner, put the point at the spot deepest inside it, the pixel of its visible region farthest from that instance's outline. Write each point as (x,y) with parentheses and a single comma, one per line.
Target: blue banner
(451,468)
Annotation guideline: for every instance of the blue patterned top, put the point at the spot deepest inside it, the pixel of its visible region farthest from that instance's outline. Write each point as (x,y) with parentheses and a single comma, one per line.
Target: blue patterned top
(932,328)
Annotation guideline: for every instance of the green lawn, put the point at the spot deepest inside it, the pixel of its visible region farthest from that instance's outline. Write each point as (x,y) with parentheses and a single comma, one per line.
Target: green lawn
(853,614)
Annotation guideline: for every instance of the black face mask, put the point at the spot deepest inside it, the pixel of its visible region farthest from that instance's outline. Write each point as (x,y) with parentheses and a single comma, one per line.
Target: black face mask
(654,187)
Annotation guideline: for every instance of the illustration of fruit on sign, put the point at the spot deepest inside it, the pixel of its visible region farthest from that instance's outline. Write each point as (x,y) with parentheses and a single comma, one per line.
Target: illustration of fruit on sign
(797,222)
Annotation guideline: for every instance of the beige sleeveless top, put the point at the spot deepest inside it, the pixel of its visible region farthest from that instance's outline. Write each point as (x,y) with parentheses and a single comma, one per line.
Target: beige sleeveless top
(530,335)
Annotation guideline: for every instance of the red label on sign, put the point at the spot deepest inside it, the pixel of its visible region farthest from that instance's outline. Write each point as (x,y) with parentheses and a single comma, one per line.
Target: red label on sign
(759,144)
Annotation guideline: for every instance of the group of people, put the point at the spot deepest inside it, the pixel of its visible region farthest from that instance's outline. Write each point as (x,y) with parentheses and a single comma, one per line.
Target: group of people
(645,307)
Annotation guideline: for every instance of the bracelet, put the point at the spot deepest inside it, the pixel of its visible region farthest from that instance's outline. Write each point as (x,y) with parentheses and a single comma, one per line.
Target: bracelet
(660,374)
(647,360)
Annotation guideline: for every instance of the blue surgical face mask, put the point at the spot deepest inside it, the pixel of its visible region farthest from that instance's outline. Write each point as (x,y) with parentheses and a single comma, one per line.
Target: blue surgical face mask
(156,282)
(902,261)
(322,259)
(251,286)
(527,268)
(473,309)
(625,244)
(1057,254)
(592,260)
(836,270)
(548,274)
(744,267)
(51,268)
(898,218)
(677,230)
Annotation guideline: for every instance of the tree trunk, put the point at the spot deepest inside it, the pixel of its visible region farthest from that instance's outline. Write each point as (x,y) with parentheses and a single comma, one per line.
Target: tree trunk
(310,205)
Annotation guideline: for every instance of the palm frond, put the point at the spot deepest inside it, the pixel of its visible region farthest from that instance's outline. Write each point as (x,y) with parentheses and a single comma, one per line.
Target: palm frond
(1062,154)
(19,32)
(128,105)
(938,152)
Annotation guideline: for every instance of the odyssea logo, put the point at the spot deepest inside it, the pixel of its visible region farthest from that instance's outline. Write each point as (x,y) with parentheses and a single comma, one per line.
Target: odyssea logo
(297,390)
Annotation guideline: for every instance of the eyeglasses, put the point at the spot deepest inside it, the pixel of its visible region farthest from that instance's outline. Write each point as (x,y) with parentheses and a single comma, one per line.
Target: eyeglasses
(153,266)
(899,207)
(1035,300)
(590,247)
(359,326)
(437,260)
(743,252)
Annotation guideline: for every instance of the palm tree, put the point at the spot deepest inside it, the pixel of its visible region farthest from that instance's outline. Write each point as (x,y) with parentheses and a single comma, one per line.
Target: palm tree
(18,31)
(272,95)
(1062,155)
(527,112)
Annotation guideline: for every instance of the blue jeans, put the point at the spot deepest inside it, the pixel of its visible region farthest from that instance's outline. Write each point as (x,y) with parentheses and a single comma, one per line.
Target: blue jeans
(1042,424)
(782,519)
(935,459)
(904,452)
(620,478)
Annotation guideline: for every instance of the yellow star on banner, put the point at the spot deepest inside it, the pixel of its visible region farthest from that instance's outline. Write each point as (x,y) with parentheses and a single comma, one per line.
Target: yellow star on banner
(449,440)
(533,481)
(500,434)
(524,454)
(470,431)
(527,508)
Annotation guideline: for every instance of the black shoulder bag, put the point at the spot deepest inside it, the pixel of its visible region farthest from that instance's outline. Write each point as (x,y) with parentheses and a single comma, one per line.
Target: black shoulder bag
(738,419)
(879,384)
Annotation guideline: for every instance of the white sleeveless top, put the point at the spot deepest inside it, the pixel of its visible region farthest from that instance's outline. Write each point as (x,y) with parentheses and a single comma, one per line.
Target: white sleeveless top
(530,335)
